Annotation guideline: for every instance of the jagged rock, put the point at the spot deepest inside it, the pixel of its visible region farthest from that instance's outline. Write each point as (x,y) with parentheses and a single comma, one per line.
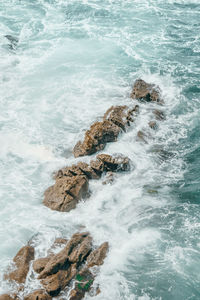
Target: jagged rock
(114,163)
(82,169)
(115,119)
(120,116)
(80,253)
(8,297)
(96,257)
(66,192)
(72,182)
(61,261)
(55,283)
(40,263)
(159,114)
(153,125)
(145,91)
(99,134)
(22,261)
(38,295)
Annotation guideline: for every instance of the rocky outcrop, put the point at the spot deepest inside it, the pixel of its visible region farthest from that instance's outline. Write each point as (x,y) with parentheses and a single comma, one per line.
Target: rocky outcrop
(22,261)
(146,91)
(55,272)
(72,183)
(116,119)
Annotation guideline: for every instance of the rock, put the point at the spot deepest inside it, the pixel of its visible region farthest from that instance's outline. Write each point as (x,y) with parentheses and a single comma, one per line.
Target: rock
(61,261)
(38,295)
(159,114)
(82,169)
(141,136)
(22,261)
(66,193)
(116,119)
(8,297)
(153,125)
(40,263)
(119,115)
(80,253)
(55,283)
(99,134)
(114,163)
(146,91)
(96,257)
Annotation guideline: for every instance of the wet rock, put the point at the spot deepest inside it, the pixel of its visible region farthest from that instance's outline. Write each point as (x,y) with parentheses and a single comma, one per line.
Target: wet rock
(159,115)
(8,297)
(22,261)
(142,137)
(40,263)
(61,261)
(80,253)
(96,257)
(55,283)
(38,295)
(153,125)
(120,116)
(99,134)
(146,91)
(66,193)
(81,169)
(114,163)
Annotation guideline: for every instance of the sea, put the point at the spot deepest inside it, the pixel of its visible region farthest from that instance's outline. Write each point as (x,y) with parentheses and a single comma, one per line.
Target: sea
(63,63)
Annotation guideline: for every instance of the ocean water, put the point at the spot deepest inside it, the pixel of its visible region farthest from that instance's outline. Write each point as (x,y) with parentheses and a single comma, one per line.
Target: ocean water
(70,60)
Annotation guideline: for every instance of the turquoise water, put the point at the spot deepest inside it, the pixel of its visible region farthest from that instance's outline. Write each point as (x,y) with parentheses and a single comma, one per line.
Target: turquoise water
(73,60)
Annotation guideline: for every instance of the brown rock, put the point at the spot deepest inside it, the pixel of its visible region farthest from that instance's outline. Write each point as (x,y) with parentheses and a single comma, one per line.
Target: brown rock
(114,163)
(66,192)
(40,263)
(61,260)
(96,257)
(38,295)
(21,260)
(79,254)
(8,297)
(145,91)
(99,134)
(82,169)
(55,283)
(118,115)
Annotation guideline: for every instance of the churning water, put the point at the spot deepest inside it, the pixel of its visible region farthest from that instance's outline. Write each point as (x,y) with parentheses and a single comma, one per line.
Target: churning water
(66,62)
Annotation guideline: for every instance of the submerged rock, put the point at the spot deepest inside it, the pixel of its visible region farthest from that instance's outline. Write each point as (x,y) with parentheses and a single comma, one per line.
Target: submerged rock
(146,91)
(22,261)
(116,119)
